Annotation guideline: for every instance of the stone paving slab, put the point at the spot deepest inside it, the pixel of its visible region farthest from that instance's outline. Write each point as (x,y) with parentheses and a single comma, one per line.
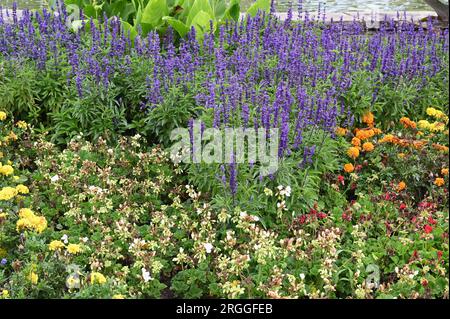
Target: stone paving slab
(372,19)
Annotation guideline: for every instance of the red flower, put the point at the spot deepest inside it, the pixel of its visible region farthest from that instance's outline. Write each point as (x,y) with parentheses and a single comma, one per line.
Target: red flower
(321,215)
(439,254)
(341,179)
(302,219)
(403,206)
(346,216)
(431,220)
(428,229)
(424,282)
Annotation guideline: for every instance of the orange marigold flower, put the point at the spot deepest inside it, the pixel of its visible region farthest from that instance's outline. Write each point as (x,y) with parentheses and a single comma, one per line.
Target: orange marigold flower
(353,152)
(368,118)
(419,144)
(407,122)
(348,168)
(402,142)
(368,147)
(444,171)
(340,131)
(440,147)
(356,141)
(365,134)
(376,131)
(401,186)
(439,181)
(388,138)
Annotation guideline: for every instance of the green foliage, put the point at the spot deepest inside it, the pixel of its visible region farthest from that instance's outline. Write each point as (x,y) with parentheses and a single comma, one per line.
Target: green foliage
(192,283)
(181,15)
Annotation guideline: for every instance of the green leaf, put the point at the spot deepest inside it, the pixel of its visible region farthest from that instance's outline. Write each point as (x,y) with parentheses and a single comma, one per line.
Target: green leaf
(178,26)
(233,10)
(199,5)
(154,12)
(89,11)
(201,23)
(128,28)
(219,8)
(263,5)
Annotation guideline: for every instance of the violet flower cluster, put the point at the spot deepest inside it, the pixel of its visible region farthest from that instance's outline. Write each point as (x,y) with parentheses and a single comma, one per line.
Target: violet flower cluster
(260,72)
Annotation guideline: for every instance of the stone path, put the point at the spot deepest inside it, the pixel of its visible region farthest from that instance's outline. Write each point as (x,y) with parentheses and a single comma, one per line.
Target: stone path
(372,18)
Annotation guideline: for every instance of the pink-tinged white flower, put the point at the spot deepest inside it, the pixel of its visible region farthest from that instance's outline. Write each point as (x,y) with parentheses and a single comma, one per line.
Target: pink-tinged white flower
(65,239)
(54,179)
(146,275)
(208,247)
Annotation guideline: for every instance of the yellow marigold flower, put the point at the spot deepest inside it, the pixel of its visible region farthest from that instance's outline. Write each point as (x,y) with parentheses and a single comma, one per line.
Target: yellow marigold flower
(22,189)
(28,220)
(353,152)
(7,193)
(437,127)
(356,141)
(3,216)
(22,124)
(118,296)
(431,111)
(368,147)
(444,171)
(5,294)
(55,245)
(340,131)
(423,124)
(33,277)
(439,181)
(368,118)
(97,278)
(349,168)
(26,213)
(12,136)
(401,186)
(2,116)
(407,122)
(6,170)
(74,249)
(401,155)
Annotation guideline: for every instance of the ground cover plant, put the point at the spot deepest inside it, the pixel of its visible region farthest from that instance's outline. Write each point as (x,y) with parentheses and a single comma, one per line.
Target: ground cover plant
(92,204)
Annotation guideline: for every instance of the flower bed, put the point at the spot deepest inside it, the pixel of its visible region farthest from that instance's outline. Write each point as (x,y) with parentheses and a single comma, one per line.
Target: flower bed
(92,206)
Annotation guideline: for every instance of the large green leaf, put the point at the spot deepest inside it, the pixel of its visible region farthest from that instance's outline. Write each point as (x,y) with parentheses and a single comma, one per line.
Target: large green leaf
(122,8)
(89,11)
(199,5)
(263,5)
(154,12)
(219,8)
(128,28)
(177,25)
(233,10)
(201,23)
(186,5)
